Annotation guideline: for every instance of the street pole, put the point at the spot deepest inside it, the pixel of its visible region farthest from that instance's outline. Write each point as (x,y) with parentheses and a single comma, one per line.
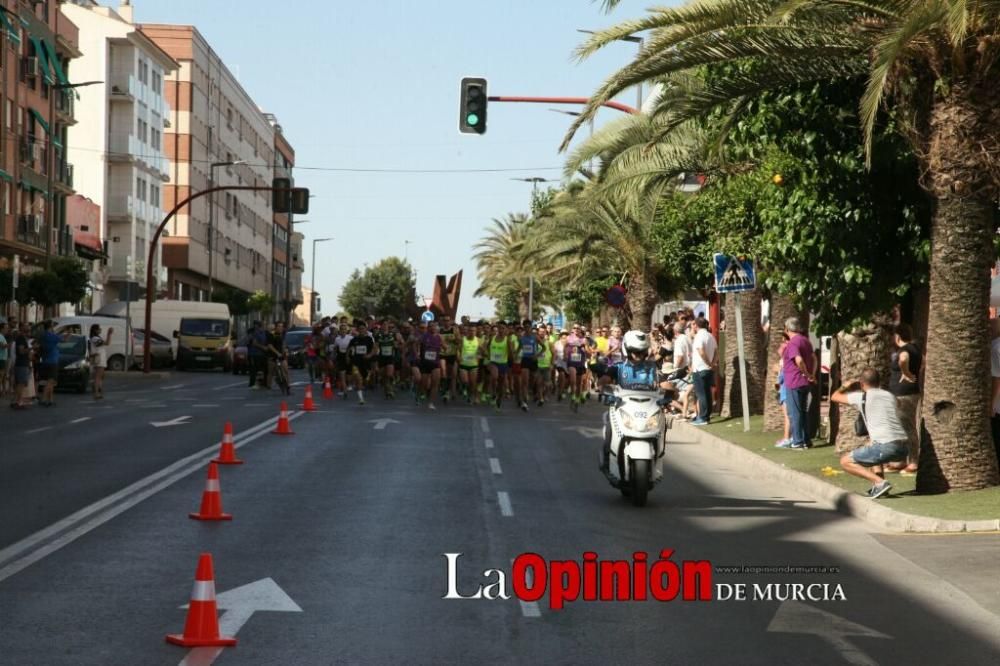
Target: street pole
(743,364)
(312,280)
(288,273)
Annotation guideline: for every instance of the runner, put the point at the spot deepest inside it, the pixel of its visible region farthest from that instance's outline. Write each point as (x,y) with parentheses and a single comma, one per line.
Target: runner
(341,342)
(361,350)
(576,365)
(450,340)
(389,343)
(559,360)
(541,375)
(501,350)
(429,369)
(468,369)
(528,350)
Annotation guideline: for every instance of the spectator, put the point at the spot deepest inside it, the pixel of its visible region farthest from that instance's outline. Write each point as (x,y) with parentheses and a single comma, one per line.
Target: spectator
(4,345)
(995,371)
(798,363)
(98,353)
(48,343)
(257,353)
(888,436)
(22,367)
(703,361)
(682,366)
(786,440)
(904,377)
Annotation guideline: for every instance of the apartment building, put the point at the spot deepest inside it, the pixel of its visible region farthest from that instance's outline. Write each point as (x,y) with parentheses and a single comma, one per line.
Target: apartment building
(217,135)
(118,143)
(37,44)
(281,281)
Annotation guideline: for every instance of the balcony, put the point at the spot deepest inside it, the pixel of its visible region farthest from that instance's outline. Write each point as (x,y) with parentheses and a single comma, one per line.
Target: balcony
(65,105)
(123,208)
(124,90)
(64,174)
(29,229)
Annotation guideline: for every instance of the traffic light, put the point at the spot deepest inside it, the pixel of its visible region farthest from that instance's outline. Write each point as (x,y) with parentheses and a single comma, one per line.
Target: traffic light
(288,199)
(472,113)
(281,196)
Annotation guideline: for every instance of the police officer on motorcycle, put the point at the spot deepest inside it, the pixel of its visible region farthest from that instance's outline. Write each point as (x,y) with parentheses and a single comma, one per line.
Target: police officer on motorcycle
(636,373)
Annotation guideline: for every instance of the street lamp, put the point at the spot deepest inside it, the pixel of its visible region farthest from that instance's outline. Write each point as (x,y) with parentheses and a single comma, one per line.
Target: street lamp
(50,161)
(312,281)
(577,114)
(635,40)
(534,180)
(211,218)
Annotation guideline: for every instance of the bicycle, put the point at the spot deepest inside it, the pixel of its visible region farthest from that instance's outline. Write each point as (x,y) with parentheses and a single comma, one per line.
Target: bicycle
(281,376)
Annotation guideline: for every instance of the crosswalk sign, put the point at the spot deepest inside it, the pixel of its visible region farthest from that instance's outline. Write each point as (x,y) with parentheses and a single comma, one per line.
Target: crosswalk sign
(734,274)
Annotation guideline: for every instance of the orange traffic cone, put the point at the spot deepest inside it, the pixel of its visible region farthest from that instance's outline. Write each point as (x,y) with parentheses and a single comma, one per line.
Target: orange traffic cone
(227,454)
(211,499)
(283,427)
(202,625)
(327,389)
(307,404)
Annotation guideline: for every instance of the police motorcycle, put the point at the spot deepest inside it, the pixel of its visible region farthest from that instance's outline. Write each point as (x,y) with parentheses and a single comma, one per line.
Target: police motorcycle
(635,426)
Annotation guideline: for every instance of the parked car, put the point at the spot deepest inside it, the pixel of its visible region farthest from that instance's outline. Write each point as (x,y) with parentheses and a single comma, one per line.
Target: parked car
(241,365)
(161,349)
(295,343)
(74,369)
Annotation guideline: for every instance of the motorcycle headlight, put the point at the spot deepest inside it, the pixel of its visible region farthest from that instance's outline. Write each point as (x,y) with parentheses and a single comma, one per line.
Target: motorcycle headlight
(627,421)
(652,422)
(77,365)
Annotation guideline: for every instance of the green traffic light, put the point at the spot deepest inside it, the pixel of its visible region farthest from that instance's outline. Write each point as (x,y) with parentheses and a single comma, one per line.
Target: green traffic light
(472,119)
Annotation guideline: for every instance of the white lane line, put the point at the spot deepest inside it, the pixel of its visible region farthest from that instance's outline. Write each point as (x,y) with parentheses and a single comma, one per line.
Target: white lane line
(136,399)
(489,443)
(495,466)
(485,424)
(80,420)
(32,432)
(530,608)
(223,388)
(206,405)
(171,388)
(506,509)
(23,554)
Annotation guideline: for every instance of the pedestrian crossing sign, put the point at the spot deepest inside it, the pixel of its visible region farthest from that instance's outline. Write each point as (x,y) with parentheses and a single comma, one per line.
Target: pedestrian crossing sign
(734,273)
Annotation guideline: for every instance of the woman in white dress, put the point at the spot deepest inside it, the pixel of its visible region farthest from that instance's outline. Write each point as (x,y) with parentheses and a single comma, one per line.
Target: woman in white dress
(98,353)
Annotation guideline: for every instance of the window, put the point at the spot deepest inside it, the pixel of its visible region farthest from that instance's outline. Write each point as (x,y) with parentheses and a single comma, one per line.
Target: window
(10,114)
(229,118)
(154,195)
(141,127)
(140,188)
(6,198)
(157,83)
(154,138)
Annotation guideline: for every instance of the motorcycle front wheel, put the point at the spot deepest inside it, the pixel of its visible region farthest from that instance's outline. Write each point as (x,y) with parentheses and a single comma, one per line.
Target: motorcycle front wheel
(640,481)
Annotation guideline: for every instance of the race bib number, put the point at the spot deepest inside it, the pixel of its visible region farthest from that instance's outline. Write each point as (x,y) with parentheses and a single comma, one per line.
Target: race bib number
(430,355)
(498,357)
(360,350)
(469,358)
(527,351)
(576,357)
(386,351)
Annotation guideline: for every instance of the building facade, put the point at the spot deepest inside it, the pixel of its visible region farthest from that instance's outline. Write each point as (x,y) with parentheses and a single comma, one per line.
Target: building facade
(217,135)
(119,140)
(281,280)
(37,43)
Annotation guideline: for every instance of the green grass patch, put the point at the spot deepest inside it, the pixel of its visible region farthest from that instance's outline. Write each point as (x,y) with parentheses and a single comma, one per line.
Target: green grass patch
(969,505)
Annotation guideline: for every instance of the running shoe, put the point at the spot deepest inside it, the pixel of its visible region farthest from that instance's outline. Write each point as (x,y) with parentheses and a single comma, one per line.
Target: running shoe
(430,405)
(879,489)
(524,407)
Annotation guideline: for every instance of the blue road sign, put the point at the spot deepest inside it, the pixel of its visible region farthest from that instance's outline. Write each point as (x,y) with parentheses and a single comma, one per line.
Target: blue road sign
(427,316)
(734,274)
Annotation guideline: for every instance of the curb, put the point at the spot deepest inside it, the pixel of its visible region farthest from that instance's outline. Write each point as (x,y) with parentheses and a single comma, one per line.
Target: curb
(842,501)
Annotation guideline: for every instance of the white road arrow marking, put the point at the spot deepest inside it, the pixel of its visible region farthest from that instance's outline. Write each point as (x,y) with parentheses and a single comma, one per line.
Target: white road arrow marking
(240,604)
(589,433)
(180,420)
(380,424)
(794,617)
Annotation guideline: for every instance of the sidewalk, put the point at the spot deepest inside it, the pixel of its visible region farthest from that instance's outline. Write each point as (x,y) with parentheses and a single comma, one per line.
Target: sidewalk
(815,471)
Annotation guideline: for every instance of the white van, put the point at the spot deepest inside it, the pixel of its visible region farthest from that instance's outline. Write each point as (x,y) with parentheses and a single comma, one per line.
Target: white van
(118,351)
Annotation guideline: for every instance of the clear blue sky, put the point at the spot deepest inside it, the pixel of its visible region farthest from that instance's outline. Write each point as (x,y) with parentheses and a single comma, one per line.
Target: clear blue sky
(375,85)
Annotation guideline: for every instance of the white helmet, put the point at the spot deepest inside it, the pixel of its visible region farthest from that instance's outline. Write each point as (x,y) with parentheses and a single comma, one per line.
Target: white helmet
(636,342)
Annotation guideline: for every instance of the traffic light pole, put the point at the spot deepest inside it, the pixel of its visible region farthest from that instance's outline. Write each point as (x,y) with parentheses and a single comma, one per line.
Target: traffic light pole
(146,360)
(617,106)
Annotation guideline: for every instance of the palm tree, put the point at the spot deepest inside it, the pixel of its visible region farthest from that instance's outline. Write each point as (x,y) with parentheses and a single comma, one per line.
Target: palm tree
(502,268)
(935,66)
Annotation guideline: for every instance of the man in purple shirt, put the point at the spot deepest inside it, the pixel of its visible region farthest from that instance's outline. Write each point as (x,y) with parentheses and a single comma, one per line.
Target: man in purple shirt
(799,367)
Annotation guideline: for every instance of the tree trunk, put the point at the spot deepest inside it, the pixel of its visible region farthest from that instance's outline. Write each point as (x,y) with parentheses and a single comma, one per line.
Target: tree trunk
(753,348)
(868,347)
(641,299)
(956,448)
(781,309)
